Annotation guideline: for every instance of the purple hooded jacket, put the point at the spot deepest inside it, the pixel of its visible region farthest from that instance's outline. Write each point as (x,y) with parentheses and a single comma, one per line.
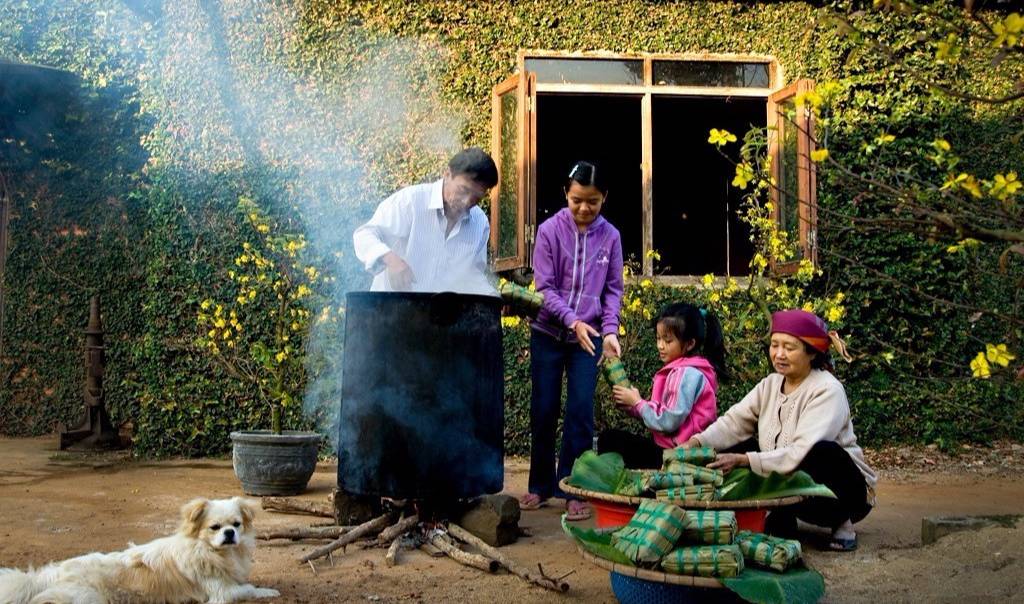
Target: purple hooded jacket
(580,275)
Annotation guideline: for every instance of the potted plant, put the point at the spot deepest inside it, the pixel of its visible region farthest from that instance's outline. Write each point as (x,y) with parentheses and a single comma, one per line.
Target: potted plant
(257,336)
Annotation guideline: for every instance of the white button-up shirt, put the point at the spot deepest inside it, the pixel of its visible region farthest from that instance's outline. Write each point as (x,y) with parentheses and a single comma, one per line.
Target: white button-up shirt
(412,224)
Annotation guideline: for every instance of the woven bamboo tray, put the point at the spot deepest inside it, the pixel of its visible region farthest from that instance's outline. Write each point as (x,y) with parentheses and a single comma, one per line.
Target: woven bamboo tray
(649,575)
(743,504)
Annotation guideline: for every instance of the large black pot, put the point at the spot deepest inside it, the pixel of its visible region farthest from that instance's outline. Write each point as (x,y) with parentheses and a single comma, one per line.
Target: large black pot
(422,396)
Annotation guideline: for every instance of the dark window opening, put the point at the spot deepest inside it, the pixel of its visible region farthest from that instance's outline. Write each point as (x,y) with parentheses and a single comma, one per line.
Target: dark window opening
(607,130)
(697,226)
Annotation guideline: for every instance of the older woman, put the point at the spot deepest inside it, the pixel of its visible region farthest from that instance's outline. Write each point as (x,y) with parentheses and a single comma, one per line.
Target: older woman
(802,420)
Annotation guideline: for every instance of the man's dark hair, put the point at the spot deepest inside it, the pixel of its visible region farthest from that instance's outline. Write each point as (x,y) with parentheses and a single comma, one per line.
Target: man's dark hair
(475,164)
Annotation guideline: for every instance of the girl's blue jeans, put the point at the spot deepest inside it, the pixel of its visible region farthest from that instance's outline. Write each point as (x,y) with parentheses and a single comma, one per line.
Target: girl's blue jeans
(550,359)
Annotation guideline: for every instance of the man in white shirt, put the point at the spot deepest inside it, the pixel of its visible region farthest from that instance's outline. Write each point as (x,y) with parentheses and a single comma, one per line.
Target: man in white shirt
(432,237)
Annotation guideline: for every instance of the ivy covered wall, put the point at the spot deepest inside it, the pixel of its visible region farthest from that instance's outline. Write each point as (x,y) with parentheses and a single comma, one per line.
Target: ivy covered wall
(319,109)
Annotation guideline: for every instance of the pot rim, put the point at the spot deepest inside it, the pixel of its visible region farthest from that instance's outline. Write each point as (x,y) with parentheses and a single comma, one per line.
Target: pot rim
(268,437)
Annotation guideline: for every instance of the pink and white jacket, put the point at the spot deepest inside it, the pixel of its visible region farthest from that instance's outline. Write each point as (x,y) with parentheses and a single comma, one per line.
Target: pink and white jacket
(683,401)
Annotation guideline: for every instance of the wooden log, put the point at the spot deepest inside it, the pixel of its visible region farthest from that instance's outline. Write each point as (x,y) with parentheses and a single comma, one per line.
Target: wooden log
(291,505)
(298,533)
(365,528)
(447,546)
(391,558)
(398,529)
(554,584)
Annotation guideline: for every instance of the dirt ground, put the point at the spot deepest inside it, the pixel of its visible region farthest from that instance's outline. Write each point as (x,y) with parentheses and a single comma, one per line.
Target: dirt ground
(55,505)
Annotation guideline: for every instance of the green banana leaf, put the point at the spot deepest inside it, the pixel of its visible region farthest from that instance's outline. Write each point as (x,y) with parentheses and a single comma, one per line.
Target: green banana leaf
(598,543)
(741,483)
(799,585)
(597,472)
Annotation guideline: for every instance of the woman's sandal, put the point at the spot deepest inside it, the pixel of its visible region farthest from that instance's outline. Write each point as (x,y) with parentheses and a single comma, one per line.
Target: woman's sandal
(576,510)
(531,501)
(839,544)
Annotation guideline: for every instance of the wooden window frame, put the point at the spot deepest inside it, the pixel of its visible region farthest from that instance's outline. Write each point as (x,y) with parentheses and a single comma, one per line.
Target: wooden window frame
(806,171)
(529,88)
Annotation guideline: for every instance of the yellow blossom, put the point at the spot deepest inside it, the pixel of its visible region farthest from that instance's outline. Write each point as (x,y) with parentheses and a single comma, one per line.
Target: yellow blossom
(510,322)
(655,254)
(721,137)
(280,356)
(1003,186)
(206,304)
(622,330)
(834,314)
(819,155)
(263,228)
(979,367)
(998,355)
(646,284)
(219,323)
(1008,30)
(884,138)
(252,294)
(744,174)
(212,333)
(962,245)
(808,307)
(708,280)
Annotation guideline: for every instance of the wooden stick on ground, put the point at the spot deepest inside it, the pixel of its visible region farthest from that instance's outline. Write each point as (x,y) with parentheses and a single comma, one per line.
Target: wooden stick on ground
(365,528)
(391,558)
(291,505)
(446,545)
(297,533)
(398,529)
(541,581)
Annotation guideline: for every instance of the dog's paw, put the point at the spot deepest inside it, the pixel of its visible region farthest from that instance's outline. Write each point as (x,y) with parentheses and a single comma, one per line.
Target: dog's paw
(265,592)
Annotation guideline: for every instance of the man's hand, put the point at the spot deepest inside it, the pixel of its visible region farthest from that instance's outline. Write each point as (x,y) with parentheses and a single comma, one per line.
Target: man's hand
(610,347)
(584,334)
(399,274)
(625,396)
(727,461)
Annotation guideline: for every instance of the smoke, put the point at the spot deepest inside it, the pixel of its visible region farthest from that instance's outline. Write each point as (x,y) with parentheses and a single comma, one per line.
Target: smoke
(320,117)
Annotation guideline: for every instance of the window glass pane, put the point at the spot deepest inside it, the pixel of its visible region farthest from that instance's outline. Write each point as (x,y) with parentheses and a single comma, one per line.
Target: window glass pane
(711,73)
(789,213)
(508,199)
(586,71)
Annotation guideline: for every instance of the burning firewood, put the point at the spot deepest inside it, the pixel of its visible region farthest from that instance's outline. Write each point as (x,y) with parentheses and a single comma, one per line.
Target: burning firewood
(552,583)
(290,505)
(371,526)
(298,533)
(393,532)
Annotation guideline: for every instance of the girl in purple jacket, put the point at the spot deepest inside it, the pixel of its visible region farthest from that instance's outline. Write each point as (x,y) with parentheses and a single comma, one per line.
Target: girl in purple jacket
(577,264)
(683,398)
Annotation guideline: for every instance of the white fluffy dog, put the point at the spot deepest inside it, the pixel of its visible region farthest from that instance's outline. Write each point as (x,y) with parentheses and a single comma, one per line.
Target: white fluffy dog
(207,560)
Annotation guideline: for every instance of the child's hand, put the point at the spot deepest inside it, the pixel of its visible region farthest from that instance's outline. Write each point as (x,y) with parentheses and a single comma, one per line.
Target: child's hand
(625,396)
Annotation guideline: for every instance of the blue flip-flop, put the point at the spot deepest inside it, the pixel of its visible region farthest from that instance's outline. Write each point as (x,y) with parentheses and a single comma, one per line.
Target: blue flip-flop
(839,544)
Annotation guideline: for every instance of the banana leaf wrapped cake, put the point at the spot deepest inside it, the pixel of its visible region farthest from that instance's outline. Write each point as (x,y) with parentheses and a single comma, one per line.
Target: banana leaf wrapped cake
(767,551)
(669,480)
(651,533)
(634,483)
(704,561)
(521,299)
(615,373)
(699,474)
(713,527)
(697,456)
(697,493)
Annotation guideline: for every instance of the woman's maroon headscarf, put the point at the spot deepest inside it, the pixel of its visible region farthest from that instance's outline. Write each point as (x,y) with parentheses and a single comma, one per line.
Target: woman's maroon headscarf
(809,328)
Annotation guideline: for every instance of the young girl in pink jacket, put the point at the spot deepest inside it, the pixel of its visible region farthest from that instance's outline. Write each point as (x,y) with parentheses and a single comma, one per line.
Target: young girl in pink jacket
(683,401)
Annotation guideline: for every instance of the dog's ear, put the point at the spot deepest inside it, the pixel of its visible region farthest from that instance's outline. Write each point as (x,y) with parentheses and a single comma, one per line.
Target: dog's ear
(192,514)
(248,508)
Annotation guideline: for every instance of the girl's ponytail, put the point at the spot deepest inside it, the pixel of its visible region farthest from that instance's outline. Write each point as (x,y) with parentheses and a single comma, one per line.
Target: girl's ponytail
(714,343)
